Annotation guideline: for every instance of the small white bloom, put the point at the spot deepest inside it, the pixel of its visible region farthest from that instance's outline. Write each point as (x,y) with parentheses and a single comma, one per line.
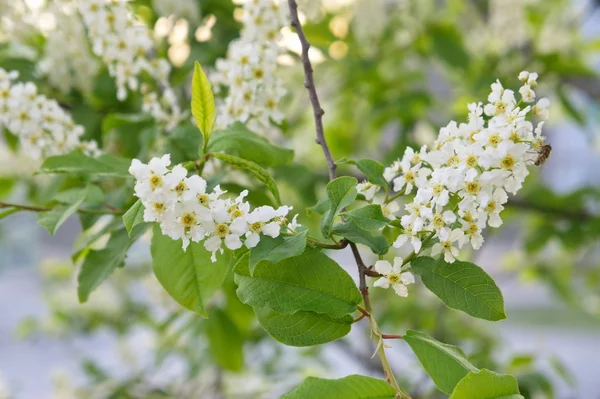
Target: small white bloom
(393,276)
(368,190)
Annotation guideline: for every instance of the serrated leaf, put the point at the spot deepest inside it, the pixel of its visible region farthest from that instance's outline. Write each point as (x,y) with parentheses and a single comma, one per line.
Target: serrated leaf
(352,232)
(303,328)
(225,342)
(350,387)
(134,216)
(462,286)
(341,193)
(486,384)
(77,162)
(203,102)
(238,140)
(311,282)
(256,170)
(445,364)
(369,217)
(98,265)
(51,220)
(274,250)
(189,277)
(373,170)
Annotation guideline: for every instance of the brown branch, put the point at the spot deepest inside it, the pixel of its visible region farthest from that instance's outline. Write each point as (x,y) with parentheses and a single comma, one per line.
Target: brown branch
(309,83)
(44,209)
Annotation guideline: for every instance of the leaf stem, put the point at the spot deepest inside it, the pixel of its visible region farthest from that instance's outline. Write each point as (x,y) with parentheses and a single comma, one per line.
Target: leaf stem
(315,243)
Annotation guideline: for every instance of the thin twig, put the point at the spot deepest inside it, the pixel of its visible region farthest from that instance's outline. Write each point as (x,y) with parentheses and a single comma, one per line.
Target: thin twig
(44,209)
(309,83)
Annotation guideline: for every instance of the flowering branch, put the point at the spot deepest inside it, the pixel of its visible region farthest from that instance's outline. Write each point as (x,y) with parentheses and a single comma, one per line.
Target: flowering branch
(309,83)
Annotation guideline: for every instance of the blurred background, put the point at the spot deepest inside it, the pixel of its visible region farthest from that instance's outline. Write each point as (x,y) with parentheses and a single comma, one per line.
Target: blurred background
(391,73)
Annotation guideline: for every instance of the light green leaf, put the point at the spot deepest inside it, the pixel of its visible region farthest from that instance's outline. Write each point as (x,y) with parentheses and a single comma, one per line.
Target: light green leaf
(350,387)
(203,102)
(274,250)
(369,217)
(320,207)
(486,384)
(462,286)
(373,170)
(77,162)
(445,364)
(189,277)
(98,265)
(238,140)
(134,216)
(341,193)
(311,281)
(258,172)
(303,328)
(51,220)
(352,232)
(225,341)
(94,195)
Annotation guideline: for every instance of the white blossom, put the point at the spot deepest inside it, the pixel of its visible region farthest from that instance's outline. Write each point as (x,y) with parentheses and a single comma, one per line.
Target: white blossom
(393,276)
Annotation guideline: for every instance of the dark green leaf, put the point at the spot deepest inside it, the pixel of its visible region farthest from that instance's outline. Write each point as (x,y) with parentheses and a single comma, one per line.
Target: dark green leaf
(373,170)
(445,364)
(311,281)
(449,46)
(303,328)
(352,232)
(238,140)
(277,249)
(462,286)
(78,162)
(369,217)
(350,387)
(225,342)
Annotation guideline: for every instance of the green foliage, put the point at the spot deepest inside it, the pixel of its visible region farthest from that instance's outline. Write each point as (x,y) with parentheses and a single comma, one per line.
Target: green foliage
(368,217)
(258,172)
(240,141)
(303,328)
(133,216)
(225,341)
(77,162)
(448,45)
(350,387)
(309,282)
(445,364)
(341,192)
(277,249)
(203,102)
(485,384)
(190,277)
(349,230)
(462,286)
(373,170)
(98,265)
(52,219)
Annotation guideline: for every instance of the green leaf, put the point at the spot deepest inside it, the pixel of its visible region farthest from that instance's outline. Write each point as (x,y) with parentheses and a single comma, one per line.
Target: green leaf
(449,46)
(445,364)
(184,142)
(462,286)
(486,384)
(303,328)
(98,265)
(352,232)
(341,193)
(311,281)
(51,220)
(373,170)
(189,277)
(320,207)
(238,140)
(134,216)
(369,217)
(94,195)
(258,172)
(203,102)
(225,342)
(350,387)
(277,249)
(78,162)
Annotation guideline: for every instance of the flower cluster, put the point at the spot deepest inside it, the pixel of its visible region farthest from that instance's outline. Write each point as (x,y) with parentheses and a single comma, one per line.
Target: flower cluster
(124,46)
(462,183)
(187,211)
(249,71)
(67,61)
(42,126)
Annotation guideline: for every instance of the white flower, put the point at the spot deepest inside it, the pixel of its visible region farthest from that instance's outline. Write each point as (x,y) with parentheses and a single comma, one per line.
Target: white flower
(393,276)
(446,246)
(527,94)
(407,235)
(523,76)
(541,109)
(367,189)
